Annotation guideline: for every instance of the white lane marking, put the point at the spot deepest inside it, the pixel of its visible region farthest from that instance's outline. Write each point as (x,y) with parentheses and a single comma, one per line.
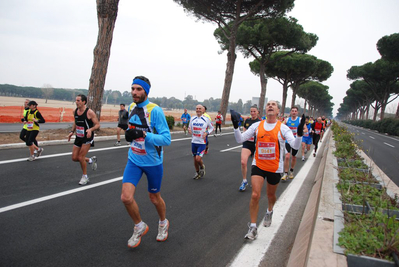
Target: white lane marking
(231,148)
(60,154)
(72,191)
(252,252)
(371,137)
(389,144)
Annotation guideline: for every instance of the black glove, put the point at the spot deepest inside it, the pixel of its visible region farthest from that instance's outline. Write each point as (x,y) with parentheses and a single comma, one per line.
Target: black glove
(299,130)
(132,134)
(235,118)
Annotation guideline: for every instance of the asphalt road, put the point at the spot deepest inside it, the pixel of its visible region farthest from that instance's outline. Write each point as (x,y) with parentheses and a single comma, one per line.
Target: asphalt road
(381,148)
(208,217)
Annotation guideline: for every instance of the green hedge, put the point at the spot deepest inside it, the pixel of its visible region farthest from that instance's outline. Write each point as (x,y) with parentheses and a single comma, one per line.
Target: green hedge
(388,125)
(171,121)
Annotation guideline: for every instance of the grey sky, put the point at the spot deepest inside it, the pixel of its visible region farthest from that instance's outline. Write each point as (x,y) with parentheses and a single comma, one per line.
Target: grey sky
(51,42)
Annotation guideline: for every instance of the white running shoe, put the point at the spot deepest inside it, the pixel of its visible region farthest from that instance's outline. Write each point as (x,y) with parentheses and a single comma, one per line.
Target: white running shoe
(284,178)
(252,232)
(303,158)
(201,171)
(267,221)
(94,163)
(291,176)
(31,158)
(163,232)
(39,152)
(118,143)
(84,180)
(196,176)
(135,240)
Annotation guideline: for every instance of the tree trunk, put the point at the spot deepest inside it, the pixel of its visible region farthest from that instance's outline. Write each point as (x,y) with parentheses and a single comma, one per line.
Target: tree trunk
(285,90)
(397,111)
(263,85)
(367,112)
(228,79)
(376,110)
(294,89)
(304,106)
(107,11)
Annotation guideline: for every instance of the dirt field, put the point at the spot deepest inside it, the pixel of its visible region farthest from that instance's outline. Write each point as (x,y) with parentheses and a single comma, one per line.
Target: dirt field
(11,109)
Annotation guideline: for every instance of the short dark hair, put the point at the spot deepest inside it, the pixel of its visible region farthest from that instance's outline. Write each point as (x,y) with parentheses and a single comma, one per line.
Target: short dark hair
(143,78)
(294,107)
(83,98)
(204,107)
(254,106)
(122,104)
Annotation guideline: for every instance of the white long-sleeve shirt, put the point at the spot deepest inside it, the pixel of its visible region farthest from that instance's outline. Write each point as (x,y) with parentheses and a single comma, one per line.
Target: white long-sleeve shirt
(198,126)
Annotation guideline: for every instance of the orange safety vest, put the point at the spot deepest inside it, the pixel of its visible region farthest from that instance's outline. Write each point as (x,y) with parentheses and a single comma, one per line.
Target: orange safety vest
(267,155)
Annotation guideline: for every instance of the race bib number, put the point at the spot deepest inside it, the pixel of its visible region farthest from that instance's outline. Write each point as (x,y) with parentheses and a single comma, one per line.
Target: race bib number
(80,131)
(138,147)
(294,130)
(266,150)
(317,131)
(29,125)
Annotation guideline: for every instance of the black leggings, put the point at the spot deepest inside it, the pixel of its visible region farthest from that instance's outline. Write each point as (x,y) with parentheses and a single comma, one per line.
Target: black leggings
(218,126)
(316,139)
(22,136)
(31,137)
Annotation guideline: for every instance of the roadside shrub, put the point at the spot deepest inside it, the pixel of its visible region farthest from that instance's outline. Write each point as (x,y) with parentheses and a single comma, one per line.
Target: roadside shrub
(171,121)
(393,127)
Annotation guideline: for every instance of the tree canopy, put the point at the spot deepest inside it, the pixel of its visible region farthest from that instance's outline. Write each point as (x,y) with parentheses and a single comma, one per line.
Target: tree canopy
(388,46)
(382,77)
(229,15)
(260,38)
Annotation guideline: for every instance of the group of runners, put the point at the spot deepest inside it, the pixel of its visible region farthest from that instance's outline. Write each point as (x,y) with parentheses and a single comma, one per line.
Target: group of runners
(147,131)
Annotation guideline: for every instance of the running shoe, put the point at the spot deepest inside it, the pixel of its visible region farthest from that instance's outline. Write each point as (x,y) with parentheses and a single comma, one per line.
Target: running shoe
(306,151)
(206,152)
(214,135)
(201,171)
(163,232)
(291,175)
(31,158)
(118,143)
(314,154)
(252,232)
(267,221)
(94,163)
(284,178)
(243,186)
(84,180)
(39,152)
(138,232)
(303,158)
(196,176)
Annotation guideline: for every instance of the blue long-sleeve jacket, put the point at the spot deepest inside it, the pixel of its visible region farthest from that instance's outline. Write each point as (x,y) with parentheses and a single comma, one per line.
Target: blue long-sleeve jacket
(150,118)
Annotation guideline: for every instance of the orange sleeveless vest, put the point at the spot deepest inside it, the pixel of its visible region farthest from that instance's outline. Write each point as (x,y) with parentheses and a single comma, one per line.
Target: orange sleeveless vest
(267,155)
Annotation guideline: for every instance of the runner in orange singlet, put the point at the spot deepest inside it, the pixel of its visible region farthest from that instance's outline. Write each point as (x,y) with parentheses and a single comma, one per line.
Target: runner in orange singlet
(268,163)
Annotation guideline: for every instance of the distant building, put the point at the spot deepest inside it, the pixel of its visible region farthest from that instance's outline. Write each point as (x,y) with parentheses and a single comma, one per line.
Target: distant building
(255,101)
